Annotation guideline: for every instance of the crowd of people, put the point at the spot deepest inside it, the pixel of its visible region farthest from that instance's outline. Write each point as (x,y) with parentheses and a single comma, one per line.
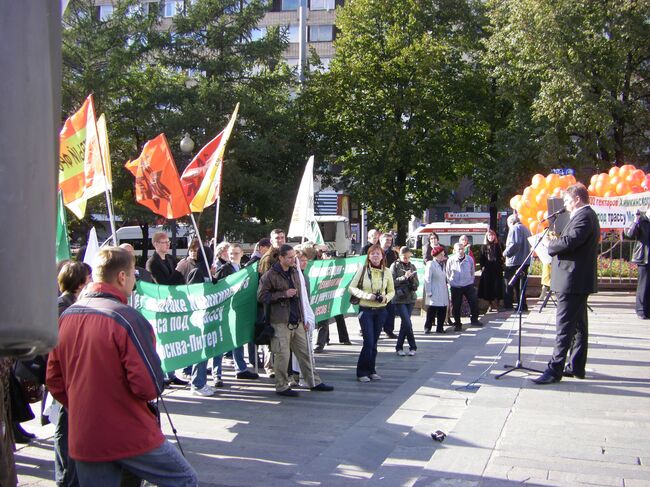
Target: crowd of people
(96,323)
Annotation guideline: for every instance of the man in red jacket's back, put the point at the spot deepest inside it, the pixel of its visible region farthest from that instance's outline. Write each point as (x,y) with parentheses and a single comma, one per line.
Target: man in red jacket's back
(104,371)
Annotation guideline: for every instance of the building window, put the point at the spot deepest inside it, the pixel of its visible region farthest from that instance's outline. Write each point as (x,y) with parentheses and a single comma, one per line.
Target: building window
(105,12)
(293,33)
(322,5)
(321,33)
(258,33)
(172,8)
(290,5)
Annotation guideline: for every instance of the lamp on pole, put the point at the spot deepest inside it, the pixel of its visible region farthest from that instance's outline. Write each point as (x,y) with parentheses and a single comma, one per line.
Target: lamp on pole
(187,146)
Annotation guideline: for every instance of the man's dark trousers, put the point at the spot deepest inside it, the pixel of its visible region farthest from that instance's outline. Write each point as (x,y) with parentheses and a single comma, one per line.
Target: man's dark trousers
(515,290)
(572,334)
(643,292)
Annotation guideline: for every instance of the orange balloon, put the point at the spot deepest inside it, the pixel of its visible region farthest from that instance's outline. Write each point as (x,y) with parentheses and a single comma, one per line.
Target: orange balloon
(530,221)
(628,168)
(636,189)
(601,187)
(540,214)
(552,181)
(614,171)
(515,202)
(534,227)
(564,182)
(592,190)
(603,176)
(609,193)
(572,179)
(613,181)
(540,199)
(538,181)
(622,188)
(557,192)
(528,190)
(637,175)
(593,179)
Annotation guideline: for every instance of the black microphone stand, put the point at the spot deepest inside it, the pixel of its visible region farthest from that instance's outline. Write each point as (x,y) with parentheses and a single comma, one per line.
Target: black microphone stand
(518,365)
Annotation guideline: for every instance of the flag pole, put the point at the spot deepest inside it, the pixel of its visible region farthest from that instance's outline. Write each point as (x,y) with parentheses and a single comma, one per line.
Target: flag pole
(198,236)
(216,223)
(109,199)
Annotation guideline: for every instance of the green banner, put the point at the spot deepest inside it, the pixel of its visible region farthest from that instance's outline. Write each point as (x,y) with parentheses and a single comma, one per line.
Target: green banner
(328,282)
(198,321)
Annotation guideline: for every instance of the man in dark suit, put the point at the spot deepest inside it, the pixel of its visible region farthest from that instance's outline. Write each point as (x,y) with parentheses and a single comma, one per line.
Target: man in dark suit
(573,279)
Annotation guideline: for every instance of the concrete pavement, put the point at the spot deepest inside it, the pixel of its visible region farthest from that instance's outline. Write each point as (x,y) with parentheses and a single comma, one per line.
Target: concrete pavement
(500,432)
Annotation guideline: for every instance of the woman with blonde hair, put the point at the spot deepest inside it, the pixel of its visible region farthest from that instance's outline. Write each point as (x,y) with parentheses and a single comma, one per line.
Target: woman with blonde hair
(373,286)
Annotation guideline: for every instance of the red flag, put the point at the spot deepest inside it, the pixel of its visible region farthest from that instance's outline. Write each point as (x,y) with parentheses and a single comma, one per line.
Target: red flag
(157,185)
(195,171)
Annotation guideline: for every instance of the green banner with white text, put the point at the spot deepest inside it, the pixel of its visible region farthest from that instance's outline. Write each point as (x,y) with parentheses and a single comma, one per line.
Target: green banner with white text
(197,321)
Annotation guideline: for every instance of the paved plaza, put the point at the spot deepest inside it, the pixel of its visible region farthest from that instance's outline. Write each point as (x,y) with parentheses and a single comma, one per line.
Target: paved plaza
(499,432)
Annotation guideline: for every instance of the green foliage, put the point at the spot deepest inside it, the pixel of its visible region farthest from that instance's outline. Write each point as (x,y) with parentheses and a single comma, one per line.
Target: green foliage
(397,110)
(575,76)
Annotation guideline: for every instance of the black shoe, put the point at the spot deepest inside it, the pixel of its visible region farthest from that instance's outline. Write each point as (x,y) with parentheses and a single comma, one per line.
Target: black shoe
(176,381)
(322,387)
(319,349)
(427,331)
(477,323)
(248,375)
(22,436)
(441,332)
(458,327)
(641,317)
(391,335)
(571,373)
(546,378)
(346,343)
(287,392)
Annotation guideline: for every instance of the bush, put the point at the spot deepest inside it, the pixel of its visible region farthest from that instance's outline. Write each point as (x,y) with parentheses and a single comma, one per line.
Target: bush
(606,268)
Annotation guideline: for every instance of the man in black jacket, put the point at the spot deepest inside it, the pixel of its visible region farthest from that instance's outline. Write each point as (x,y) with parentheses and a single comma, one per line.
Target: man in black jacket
(162,268)
(640,231)
(573,278)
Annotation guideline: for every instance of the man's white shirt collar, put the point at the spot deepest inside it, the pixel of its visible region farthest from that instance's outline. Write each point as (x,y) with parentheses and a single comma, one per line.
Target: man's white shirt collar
(573,213)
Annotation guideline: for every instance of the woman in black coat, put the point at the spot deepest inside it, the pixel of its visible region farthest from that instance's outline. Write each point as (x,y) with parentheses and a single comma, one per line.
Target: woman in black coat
(490,286)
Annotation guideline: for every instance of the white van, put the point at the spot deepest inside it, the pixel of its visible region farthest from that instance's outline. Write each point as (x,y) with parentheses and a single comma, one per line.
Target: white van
(336,232)
(449,233)
(133,235)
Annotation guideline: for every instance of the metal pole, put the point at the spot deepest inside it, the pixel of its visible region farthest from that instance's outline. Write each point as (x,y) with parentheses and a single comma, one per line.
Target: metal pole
(364,227)
(302,41)
(198,236)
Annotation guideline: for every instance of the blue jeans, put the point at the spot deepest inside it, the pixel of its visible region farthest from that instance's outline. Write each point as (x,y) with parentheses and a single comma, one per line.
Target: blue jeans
(200,375)
(64,467)
(237,356)
(163,466)
(371,321)
(404,311)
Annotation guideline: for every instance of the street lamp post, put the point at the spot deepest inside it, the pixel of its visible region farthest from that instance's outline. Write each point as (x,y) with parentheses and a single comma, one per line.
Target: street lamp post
(187,146)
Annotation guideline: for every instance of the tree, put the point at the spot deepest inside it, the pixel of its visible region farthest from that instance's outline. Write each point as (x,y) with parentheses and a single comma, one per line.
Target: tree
(398,110)
(230,60)
(576,77)
(115,60)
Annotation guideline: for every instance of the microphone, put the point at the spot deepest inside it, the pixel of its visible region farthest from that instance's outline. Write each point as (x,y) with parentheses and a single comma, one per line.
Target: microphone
(554,214)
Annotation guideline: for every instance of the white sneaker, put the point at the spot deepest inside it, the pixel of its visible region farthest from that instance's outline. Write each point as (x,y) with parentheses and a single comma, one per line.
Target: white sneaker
(206,391)
(411,353)
(363,379)
(401,353)
(375,377)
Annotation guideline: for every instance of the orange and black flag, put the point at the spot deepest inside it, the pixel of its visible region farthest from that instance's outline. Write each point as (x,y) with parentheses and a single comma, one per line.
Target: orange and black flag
(157,185)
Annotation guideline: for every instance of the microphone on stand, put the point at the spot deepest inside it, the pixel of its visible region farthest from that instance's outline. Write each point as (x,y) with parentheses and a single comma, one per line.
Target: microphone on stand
(554,214)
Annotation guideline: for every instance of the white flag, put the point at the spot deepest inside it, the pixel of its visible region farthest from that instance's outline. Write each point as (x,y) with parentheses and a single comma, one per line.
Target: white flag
(303,222)
(92,247)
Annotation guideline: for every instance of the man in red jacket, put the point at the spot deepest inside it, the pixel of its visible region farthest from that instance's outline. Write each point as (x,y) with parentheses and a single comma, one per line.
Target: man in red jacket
(104,371)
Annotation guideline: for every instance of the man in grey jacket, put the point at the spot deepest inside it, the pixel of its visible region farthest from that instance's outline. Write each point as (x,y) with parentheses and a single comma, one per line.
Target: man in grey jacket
(516,252)
(640,231)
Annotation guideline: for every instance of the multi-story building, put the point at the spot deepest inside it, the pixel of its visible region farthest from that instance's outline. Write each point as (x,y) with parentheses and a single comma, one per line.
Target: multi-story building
(320,19)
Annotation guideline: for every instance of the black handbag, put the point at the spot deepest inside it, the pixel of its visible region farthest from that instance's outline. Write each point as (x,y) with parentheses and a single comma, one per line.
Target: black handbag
(263,329)
(353,299)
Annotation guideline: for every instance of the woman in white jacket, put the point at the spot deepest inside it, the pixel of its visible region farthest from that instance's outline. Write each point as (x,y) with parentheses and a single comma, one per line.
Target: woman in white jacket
(436,294)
